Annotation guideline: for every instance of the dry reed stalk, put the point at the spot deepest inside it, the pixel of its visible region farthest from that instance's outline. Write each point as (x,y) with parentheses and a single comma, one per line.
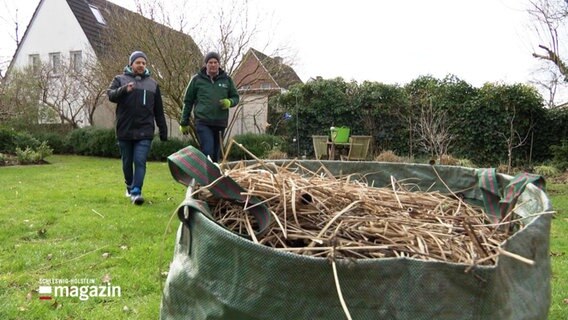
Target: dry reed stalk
(321,215)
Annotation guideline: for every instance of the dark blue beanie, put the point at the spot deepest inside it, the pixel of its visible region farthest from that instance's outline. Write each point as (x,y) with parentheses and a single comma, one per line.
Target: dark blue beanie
(135,55)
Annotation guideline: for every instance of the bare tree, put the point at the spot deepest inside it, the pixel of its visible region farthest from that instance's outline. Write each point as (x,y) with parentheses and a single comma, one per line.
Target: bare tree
(19,98)
(10,26)
(93,83)
(173,56)
(406,117)
(433,128)
(70,92)
(513,137)
(236,30)
(63,91)
(550,17)
(550,84)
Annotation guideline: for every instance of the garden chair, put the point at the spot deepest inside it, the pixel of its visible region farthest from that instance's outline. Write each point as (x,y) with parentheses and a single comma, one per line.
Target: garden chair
(358,148)
(320,147)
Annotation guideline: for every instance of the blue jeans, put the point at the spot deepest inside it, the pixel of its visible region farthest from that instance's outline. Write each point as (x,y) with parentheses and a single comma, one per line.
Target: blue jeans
(134,154)
(210,140)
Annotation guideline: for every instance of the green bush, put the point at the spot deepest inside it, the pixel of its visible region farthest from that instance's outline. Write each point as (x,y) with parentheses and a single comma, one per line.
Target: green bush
(93,141)
(26,140)
(257,144)
(466,163)
(7,140)
(560,155)
(57,141)
(101,142)
(388,156)
(27,156)
(78,140)
(104,144)
(30,156)
(11,139)
(546,171)
(162,149)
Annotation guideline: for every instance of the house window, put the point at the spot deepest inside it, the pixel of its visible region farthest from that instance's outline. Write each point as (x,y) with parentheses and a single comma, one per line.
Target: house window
(55,62)
(245,87)
(97,13)
(34,63)
(265,85)
(76,61)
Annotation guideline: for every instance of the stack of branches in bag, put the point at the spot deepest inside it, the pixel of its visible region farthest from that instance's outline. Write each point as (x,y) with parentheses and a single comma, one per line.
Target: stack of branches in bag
(321,215)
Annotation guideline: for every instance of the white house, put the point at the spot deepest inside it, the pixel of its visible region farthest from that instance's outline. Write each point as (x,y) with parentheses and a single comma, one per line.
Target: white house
(61,33)
(72,33)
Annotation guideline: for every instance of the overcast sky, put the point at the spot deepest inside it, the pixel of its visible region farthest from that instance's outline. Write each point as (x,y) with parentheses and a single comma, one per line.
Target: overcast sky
(386,41)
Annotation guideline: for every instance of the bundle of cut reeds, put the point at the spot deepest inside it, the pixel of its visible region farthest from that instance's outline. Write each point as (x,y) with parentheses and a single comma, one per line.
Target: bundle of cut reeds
(318,214)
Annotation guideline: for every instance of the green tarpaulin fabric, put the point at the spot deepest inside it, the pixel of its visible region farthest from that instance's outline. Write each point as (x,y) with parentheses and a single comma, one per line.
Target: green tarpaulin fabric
(189,165)
(499,201)
(217,274)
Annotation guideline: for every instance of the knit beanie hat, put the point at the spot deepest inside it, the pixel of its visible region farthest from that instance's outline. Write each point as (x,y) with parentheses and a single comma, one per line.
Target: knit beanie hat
(135,55)
(212,55)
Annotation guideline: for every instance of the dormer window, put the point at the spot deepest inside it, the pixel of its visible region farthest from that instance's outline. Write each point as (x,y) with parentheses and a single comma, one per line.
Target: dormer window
(97,14)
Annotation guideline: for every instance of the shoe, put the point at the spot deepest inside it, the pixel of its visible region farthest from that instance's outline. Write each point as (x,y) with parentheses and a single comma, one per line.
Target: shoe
(127,193)
(137,199)
(136,196)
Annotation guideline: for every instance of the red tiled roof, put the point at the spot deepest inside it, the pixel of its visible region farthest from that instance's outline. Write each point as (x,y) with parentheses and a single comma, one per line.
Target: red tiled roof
(283,74)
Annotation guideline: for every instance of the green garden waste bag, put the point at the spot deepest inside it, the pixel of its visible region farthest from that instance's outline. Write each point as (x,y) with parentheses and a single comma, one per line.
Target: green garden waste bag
(217,274)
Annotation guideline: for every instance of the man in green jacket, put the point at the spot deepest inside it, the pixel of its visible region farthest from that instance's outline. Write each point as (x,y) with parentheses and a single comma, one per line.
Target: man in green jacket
(210,94)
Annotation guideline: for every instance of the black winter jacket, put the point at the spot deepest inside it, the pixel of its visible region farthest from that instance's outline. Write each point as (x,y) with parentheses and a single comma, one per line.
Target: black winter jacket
(136,111)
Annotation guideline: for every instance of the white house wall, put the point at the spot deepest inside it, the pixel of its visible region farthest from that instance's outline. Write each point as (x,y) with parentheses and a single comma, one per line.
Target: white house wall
(253,118)
(54,29)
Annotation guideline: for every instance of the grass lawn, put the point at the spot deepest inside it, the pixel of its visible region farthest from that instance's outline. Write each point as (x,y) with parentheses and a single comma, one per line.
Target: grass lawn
(559,251)
(69,221)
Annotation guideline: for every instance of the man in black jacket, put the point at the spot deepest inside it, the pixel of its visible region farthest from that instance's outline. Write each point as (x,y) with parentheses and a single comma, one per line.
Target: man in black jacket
(139,105)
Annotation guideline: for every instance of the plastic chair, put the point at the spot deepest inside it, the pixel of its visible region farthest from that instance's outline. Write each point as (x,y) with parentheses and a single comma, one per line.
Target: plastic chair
(320,146)
(358,148)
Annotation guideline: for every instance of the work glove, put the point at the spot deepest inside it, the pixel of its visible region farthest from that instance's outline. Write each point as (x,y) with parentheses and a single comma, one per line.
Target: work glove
(225,103)
(184,130)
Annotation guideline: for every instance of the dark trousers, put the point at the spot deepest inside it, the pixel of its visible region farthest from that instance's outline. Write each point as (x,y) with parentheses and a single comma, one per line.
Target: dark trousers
(210,140)
(134,154)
